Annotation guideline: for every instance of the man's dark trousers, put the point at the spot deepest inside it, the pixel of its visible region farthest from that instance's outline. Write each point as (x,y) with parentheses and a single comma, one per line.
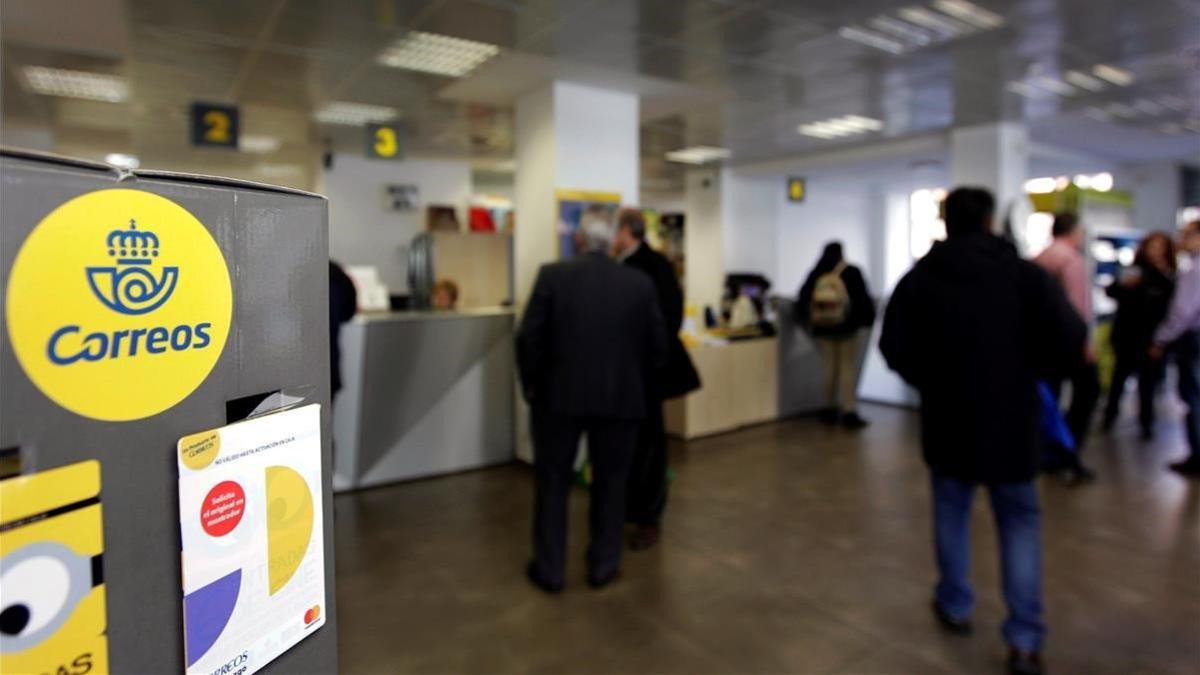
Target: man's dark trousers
(647,496)
(610,449)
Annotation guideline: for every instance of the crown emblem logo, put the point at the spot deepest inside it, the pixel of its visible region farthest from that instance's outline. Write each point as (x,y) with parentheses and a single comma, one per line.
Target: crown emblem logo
(130,287)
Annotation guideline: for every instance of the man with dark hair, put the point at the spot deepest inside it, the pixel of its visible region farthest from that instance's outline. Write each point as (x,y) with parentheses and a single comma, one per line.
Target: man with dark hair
(973,328)
(590,336)
(1064,261)
(647,492)
(1181,332)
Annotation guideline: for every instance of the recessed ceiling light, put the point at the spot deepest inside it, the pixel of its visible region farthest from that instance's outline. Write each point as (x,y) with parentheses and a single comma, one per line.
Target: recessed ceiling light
(972,14)
(1119,77)
(871,39)
(698,154)
(835,127)
(354,114)
(1053,85)
(437,54)
(76,84)
(899,29)
(258,143)
(1147,106)
(122,161)
(1084,81)
(934,21)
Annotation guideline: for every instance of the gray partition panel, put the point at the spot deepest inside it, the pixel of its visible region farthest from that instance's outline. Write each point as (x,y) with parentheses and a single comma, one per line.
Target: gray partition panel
(276,248)
(801,370)
(424,393)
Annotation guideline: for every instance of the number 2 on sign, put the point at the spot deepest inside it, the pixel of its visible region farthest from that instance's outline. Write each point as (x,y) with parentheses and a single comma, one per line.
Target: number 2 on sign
(216,126)
(385,142)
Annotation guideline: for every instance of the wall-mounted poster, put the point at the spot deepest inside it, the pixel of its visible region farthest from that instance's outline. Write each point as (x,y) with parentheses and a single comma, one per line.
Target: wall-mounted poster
(52,593)
(571,206)
(253,544)
(401,197)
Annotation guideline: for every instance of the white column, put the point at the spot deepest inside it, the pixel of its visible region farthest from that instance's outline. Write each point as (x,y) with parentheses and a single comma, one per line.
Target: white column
(993,156)
(569,137)
(704,236)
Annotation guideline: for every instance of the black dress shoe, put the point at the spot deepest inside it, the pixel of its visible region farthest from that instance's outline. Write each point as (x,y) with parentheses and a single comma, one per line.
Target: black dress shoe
(599,581)
(1024,663)
(853,421)
(829,416)
(537,580)
(952,624)
(644,537)
(1188,467)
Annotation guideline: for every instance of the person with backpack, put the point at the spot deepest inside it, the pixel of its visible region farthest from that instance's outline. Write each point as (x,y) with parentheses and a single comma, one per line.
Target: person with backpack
(836,308)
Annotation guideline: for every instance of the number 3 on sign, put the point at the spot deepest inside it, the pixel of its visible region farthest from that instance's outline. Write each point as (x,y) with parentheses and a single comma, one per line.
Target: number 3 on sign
(384,141)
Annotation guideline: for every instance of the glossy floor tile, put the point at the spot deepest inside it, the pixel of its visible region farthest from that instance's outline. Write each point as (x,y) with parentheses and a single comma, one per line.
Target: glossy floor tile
(788,548)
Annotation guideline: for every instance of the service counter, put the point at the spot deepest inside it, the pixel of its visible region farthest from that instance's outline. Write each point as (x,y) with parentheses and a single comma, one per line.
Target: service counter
(423,393)
(751,381)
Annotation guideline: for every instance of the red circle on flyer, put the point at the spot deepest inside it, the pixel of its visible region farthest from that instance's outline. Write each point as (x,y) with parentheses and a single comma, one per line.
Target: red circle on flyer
(222,508)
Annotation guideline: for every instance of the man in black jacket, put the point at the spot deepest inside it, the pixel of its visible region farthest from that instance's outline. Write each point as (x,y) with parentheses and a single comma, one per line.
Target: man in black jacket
(647,492)
(591,335)
(974,328)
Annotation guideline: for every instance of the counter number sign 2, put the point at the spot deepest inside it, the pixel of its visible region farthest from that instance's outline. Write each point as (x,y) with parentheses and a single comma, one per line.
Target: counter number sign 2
(214,126)
(385,141)
(796,189)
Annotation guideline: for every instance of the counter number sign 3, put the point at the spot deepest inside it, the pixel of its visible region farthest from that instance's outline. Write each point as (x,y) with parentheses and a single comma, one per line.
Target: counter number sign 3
(385,141)
(796,189)
(215,126)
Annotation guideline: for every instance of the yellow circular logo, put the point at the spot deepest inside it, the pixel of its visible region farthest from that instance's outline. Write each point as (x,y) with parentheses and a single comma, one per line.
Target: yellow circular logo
(118,304)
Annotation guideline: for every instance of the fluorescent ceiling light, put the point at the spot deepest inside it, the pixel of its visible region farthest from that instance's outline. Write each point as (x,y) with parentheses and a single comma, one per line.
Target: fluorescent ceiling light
(845,125)
(871,39)
(972,14)
(258,143)
(76,84)
(354,114)
(698,154)
(437,54)
(1121,110)
(1097,114)
(904,31)
(1119,77)
(1025,89)
(937,22)
(1053,85)
(1147,106)
(1040,186)
(1084,81)
(122,161)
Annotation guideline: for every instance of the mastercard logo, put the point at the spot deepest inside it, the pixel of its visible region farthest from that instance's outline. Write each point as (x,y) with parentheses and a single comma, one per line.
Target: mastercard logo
(312,615)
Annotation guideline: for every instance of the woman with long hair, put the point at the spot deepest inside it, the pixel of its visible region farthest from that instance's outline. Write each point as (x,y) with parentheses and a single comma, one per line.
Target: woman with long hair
(836,309)
(1143,295)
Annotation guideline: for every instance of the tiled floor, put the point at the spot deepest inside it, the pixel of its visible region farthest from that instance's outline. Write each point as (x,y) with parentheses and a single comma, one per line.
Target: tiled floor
(788,548)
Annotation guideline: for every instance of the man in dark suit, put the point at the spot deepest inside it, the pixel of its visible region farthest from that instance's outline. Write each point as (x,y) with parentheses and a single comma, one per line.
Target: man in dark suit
(647,492)
(591,335)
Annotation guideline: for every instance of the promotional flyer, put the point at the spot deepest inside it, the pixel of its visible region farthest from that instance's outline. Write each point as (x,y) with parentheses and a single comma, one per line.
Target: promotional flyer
(52,593)
(253,543)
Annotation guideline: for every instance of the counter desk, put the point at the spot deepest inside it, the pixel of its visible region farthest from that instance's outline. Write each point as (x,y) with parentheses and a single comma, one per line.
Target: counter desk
(423,393)
(752,381)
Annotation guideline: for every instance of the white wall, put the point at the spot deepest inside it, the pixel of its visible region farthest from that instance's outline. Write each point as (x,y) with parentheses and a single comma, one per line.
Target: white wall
(597,140)
(1157,193)
(363,232)
(751,230)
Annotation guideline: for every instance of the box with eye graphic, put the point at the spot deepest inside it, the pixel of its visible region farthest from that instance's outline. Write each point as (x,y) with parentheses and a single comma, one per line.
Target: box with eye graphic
(250,518)
(52,605)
